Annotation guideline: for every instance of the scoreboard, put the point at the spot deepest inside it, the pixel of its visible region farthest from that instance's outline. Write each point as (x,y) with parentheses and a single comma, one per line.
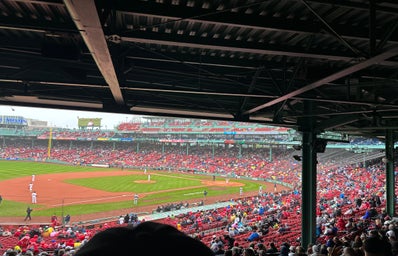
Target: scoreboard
(89,122)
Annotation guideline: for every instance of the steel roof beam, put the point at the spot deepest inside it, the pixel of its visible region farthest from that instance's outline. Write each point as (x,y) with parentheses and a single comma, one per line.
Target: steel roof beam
(372,28)
(235,49)
(251,88)
(387,35)
(337,121)
(16,60)
(47,2)
(85,16)
(362,65)
(37,25)
(218,45)
(5,80)
(230,19)
(357,5)
(332,30)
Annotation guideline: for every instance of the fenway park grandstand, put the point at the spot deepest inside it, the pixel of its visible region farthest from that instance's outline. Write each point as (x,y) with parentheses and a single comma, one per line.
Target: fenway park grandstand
(165,135)
(350,194)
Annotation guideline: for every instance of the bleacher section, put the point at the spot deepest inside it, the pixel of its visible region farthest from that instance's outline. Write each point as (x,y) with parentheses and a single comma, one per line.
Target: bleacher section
(189,126)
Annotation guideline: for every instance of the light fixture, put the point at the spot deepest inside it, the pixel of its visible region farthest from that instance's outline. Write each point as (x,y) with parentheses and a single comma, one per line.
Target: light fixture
(297,158)
(320,145)
(297,147)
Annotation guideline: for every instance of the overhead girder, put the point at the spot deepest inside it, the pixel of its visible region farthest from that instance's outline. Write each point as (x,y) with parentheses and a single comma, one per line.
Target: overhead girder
(222,45)
(181,74)
(235,20)
(332,30)
(336,121)
(219,44)
(362,65)
(359,5)
(151,38)
(85,16)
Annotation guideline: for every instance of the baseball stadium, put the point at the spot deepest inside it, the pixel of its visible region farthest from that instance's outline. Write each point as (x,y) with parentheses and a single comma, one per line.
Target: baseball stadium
(239,127)
(165,169)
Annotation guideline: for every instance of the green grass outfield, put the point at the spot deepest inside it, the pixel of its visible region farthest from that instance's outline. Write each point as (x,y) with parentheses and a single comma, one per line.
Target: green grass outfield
(164,181)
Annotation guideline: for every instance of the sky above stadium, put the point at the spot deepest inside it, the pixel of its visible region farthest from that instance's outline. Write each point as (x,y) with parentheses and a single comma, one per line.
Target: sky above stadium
(65,118)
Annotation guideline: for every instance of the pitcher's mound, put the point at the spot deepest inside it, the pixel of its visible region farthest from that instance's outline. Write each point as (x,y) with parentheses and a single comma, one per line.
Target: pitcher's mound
(144,181)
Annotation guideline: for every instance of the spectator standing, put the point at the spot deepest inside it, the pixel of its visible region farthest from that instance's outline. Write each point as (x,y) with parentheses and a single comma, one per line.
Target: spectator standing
(292,251)
(67,219)
(261,250)
(316,250)
(126,218)
(272,248)
(54,220)
(358,202)
(284,250)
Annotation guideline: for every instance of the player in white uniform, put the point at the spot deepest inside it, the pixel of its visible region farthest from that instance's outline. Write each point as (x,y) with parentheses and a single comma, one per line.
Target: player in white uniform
(34,197)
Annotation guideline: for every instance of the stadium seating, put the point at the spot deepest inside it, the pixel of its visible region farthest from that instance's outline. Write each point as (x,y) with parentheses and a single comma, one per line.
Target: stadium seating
(339,185)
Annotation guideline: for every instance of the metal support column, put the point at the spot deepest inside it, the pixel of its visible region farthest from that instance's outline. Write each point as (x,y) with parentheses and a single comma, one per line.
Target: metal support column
(213,151)
(270,153)
(390,177)
(372,28)
(308,205)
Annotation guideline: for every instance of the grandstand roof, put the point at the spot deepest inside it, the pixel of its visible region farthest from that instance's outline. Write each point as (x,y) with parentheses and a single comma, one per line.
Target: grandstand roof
(255,61)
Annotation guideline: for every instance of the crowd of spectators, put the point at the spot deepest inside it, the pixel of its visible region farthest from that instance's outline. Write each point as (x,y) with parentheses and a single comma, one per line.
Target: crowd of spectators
(175,206)
(197,126)
(351,219)
(350,214)
(232,161)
